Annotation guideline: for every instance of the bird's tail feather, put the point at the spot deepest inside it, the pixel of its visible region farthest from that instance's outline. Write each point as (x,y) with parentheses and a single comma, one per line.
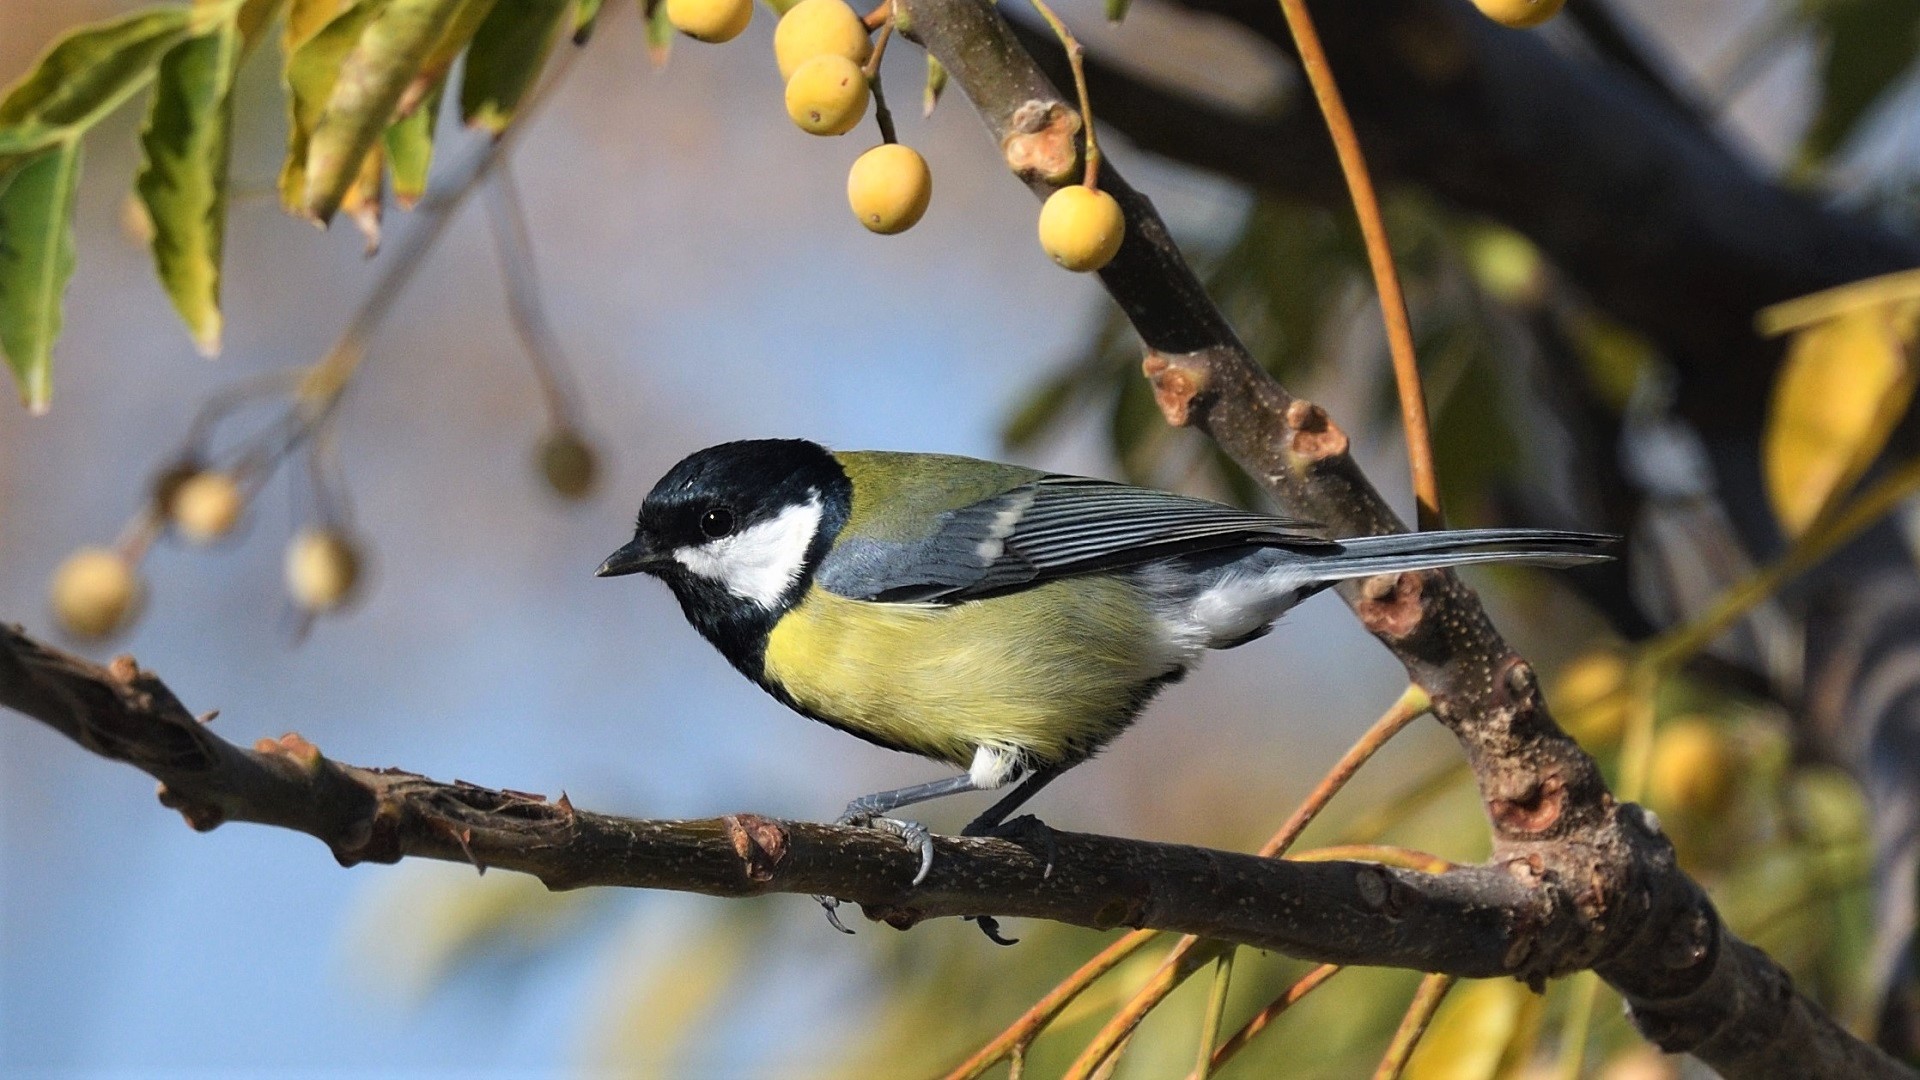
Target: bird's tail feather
(1368,555)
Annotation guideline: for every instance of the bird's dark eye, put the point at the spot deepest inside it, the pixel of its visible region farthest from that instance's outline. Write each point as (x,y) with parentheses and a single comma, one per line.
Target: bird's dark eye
(717,522)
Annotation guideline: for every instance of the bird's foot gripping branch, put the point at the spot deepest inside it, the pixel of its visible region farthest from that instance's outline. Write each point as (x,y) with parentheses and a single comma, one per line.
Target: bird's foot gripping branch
(1692,985)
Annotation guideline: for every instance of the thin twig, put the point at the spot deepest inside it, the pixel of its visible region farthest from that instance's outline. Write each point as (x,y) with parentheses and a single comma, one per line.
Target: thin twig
(1191,955)
(1076,60)
(1021,1033)
(1215,1011)
(1238,1040)
(1393,302)
(1384,854)
(1820,540)
(1412,703)
(513,246)
(1426,1001)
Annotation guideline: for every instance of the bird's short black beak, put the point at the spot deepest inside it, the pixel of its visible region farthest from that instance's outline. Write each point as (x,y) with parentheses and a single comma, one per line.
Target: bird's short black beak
(636,558)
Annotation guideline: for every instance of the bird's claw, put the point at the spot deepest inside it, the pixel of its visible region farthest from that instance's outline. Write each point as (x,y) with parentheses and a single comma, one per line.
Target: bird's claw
(831,906)
(912,832)
(990,926)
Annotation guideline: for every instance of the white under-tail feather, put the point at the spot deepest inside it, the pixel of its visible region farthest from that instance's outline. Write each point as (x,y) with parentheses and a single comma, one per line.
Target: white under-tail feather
(1242,600)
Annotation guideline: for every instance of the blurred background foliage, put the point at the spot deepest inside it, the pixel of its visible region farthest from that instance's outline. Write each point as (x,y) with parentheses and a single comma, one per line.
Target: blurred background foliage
(1522,369)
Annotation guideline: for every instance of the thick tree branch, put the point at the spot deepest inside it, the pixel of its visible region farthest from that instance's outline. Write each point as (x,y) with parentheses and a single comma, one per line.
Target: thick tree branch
(1472,922)
(1647,928)
(1476,921)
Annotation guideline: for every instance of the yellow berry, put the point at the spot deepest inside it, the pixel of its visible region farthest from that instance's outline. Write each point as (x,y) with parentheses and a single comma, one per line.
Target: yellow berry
(322,569)
(1508,266)
(827,95)
(889,187)
(1693,769)
(1591,698)
(1081,228)
(813,28)
(206,506)
(568,463)
(710,20)
(95,592)
(1519,14)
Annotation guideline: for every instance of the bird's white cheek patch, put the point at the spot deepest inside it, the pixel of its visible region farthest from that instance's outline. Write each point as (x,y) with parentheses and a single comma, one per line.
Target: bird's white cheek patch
(761,562)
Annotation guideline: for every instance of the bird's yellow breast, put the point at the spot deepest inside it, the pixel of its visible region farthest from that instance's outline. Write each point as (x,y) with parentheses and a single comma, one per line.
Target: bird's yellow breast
(1053,671)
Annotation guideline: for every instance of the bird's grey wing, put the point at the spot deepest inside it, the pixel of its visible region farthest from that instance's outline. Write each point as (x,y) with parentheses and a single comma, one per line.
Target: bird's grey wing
(1054,527)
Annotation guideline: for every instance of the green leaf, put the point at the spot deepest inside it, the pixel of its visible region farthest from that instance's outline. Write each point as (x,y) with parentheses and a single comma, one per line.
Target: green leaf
(360,107)
(305,18)
(410,149)
(1870,44)
(505,59)
(586,13)
(85,76)
(313,66)
(183,173)
(1117,10)
(36,259)
(459,33)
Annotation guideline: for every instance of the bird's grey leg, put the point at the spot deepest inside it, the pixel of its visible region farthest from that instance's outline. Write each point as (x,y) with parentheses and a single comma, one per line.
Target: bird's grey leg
(1029,786)
(994,822)
(868,807)
(869,810)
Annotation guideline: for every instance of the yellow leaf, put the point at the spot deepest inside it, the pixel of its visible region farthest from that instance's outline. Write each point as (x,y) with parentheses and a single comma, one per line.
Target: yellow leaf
(1846,383)
(1902,288)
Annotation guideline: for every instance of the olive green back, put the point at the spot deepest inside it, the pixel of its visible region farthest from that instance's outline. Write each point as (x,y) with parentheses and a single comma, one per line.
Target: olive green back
(900,497)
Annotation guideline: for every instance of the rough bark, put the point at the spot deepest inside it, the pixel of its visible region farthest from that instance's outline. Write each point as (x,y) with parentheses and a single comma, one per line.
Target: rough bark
(1472,921)
(1646,927)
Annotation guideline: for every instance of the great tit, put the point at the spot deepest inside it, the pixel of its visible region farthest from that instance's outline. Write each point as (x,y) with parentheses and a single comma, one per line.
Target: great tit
(1003,620)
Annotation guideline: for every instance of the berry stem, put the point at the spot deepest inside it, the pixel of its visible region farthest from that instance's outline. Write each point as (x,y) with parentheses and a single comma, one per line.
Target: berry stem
(513,250)
(1393,302)
(1076,60)
(878,17)
(881,114)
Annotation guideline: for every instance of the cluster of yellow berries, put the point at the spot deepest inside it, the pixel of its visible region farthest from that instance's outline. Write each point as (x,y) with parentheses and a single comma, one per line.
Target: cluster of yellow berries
(97,591)
(822,48)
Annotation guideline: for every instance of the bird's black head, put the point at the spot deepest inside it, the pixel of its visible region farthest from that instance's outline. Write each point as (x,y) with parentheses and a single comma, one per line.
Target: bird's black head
(736,530)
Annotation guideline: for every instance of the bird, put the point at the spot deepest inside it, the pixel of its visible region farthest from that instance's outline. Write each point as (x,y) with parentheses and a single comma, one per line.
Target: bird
(1006,621)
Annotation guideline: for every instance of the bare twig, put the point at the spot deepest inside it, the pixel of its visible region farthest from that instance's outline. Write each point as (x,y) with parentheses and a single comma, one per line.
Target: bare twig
(1426,1001)
(1305,985)
(1407,708)
(1210,1019)
(1373,229)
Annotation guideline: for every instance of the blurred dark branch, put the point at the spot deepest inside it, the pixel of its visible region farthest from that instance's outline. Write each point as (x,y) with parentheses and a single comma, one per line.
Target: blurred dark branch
(1669,231)
(1500,919)
(1644,925)
(1613,38)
